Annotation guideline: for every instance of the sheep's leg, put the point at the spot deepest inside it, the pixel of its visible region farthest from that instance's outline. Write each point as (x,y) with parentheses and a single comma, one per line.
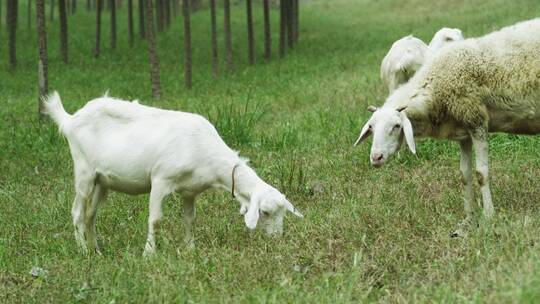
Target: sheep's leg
(157,194)
(465,167)
(83,188)
(481,148)
(99,196)
(189,217)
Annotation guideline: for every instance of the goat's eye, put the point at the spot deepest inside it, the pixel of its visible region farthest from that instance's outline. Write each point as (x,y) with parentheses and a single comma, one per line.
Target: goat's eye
(369,127)
(265,213)
(397,126)
(447,39)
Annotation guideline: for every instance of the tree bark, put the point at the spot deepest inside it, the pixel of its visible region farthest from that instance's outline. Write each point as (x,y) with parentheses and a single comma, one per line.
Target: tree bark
(63,30)
(213,24)
(187,43)
(152,53)
(282,27)
(142,24)
(251,48)
(43,79)
(12,7)
(228,41)
(130,22)
(29,13)
(99,6)
(113,23)
(267,32)
(51,13)
(290,23)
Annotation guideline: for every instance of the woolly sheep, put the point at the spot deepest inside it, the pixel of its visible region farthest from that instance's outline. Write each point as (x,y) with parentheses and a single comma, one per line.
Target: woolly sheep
(131,148)
(443,37)
(472,87)
(404,58)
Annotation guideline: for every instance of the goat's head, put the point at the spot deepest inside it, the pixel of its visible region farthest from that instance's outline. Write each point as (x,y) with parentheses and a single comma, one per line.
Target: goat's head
(389,127)
(266,210)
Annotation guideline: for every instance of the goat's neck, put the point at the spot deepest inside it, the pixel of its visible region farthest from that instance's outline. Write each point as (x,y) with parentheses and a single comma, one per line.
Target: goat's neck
(245,179)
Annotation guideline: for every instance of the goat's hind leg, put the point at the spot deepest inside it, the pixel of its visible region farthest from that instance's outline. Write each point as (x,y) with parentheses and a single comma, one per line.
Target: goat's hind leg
(160,189)
(465,167)
(189,217)
(98,197)
(481,148)
(84,187)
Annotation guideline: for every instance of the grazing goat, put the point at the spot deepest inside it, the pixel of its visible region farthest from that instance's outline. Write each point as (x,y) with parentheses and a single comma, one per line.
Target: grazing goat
(443,37)
(470,88)
(131,148)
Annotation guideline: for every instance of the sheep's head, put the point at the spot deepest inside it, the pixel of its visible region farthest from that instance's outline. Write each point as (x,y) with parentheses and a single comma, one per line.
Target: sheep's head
(445,36)
(266,210)
(389,127)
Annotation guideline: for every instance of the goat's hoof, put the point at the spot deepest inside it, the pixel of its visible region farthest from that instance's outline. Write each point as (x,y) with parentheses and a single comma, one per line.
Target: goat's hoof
(459,233)
(149,250)
(488,213)
(190,245)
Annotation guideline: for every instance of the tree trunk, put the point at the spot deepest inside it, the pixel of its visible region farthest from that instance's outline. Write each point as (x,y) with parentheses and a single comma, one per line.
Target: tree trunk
(43,80)
(296,6)
(63,30)
(73,7)
(12,6)
(29,14)
(213,24)
(228,41)
(152,53)
(130,22)
(142,24)
(187,44)
(290,23)
(175,7)
(88,5)
(51,13)
(113,23)
(282,27)
(267,32)
(0,14)
(159,15)
(167,8)
(99,6)
(251,50)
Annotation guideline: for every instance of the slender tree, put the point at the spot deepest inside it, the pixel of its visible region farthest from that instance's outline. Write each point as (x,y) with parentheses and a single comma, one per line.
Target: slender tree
(88,5)
(187,43)
(152,53)
(63,29)
(282,27)
(213,25)
(142,24)
(43,80)
(73,7)
(296,25)
(12,7)
(167,9)
(290,23)
(159,15)
(51,12)
(0,14)
(130,22)
(228,40)
(29,14)
(99,5)
(113,23)
(251,43)
(267,32)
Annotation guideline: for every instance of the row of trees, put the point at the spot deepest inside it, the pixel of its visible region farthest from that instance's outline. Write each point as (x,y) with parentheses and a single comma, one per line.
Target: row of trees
(162,12)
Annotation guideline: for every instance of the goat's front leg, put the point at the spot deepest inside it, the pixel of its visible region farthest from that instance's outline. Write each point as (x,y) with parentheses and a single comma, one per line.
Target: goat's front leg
(465,166)
(157,194)
(189,217)
(481,148)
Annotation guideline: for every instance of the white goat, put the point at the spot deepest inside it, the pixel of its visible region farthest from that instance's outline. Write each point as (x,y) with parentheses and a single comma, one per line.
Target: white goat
(409,53)
(404,58)
(470,88)
(443,37)
(131,148)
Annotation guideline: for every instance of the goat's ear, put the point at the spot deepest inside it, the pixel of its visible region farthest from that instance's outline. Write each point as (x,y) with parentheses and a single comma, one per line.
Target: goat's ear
(372,109)
(408,131)
(366,131)
(291,208)
(252,215)
(401,108)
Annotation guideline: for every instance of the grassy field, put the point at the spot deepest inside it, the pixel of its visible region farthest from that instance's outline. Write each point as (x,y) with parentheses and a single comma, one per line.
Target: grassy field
(369,235)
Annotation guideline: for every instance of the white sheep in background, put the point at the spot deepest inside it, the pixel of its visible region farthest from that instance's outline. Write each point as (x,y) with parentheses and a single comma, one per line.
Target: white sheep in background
(135,149)
(405,57)
(472,87)
(409,53)
(443,37)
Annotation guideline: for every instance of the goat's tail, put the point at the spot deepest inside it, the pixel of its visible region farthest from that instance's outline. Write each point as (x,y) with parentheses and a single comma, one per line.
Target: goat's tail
(52,106)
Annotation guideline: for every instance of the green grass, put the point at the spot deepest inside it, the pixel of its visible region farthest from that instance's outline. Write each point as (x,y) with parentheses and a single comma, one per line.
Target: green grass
(368,235)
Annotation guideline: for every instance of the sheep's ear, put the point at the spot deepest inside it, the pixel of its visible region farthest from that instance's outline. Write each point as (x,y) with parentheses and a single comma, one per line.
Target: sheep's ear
(372,109)
(252,215)
(401,109)
(365,133)
(408,131)
(291,208)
